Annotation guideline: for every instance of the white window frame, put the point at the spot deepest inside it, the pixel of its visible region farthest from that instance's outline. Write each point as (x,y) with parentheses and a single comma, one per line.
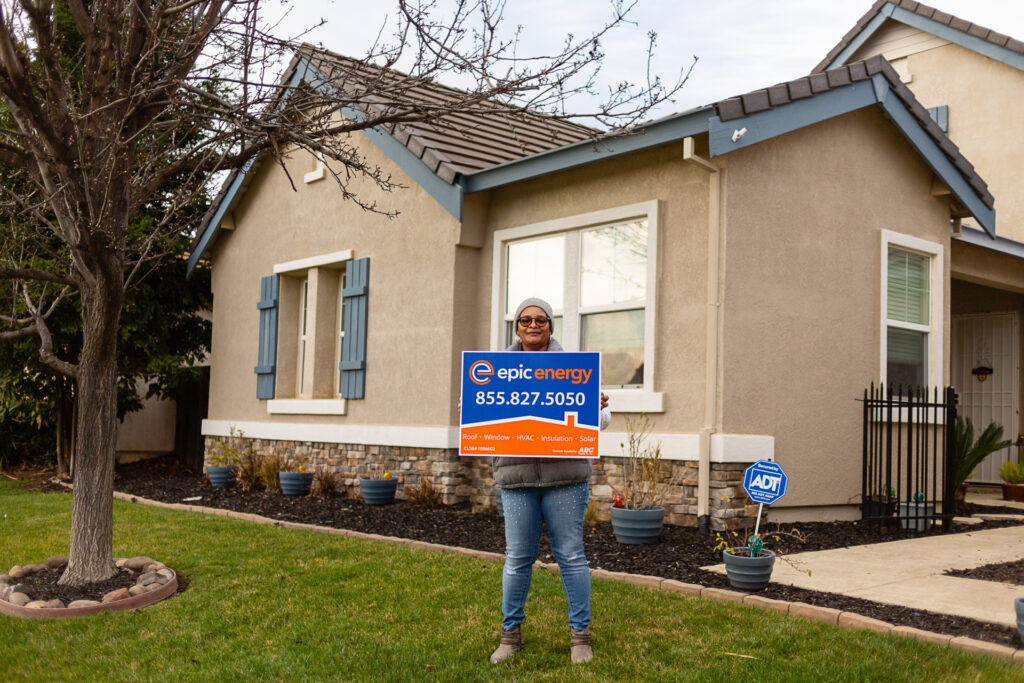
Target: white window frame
(339,335)
(631,400)
(309,406)
(936,314)
(300,375)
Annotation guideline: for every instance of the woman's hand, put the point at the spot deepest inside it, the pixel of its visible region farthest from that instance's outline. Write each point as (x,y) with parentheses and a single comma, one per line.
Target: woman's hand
(604,400)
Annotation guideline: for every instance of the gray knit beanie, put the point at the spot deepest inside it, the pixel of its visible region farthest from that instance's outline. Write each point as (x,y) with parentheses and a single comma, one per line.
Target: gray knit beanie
(534,301)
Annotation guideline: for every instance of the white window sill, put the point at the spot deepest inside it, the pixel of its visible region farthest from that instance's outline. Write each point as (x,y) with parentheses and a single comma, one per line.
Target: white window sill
(635,401)
(302,406)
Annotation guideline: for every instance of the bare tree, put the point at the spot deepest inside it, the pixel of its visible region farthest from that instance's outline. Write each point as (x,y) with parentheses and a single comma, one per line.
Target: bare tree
(111,106)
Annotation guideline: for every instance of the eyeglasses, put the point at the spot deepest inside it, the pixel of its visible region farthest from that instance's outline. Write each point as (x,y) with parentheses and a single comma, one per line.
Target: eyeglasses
(527,320)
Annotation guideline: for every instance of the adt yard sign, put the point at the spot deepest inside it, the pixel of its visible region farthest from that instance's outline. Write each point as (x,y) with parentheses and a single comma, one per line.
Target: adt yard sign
(765,482)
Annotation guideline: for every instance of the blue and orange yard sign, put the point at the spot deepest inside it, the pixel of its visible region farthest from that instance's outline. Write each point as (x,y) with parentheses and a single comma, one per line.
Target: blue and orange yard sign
(542,405)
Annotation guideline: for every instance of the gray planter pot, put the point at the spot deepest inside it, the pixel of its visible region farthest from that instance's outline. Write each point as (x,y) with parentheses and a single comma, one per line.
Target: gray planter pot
(378,491)
(634,527)
(1018,604)
(913,509)
(219,475)
(295,483)
(748,573)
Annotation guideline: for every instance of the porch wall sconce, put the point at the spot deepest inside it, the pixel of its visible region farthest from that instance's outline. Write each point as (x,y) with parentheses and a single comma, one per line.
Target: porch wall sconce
(982,372)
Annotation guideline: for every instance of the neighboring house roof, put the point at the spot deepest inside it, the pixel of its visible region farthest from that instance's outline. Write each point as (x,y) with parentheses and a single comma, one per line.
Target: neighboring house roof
(819,83)
(730,125)
(488,135)
(991,43)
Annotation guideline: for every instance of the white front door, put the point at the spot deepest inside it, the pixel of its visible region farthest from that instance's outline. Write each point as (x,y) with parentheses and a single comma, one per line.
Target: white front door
(991,340)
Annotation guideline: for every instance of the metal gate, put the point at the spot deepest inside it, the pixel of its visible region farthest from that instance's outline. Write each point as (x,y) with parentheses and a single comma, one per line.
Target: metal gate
(909,447)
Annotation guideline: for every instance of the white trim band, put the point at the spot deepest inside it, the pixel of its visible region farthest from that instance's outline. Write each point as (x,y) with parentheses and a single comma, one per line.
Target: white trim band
(377,435)
(333,259)
(725,448)
(301,406)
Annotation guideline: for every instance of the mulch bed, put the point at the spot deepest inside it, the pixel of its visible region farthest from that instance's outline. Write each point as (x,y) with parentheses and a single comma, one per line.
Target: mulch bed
(679,553)
(1003,572)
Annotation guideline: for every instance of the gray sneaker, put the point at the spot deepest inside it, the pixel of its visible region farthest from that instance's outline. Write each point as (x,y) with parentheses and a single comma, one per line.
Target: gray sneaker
(579,646)
(511,643)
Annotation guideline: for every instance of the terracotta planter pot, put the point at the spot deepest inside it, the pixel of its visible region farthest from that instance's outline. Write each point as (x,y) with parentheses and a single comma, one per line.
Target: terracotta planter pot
(1014,492)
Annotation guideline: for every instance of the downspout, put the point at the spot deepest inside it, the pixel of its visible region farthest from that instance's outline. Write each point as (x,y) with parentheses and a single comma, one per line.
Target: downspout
(713,325)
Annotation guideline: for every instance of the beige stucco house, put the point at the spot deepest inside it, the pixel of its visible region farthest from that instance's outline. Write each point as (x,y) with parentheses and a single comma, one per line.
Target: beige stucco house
(734,263)
(972,79)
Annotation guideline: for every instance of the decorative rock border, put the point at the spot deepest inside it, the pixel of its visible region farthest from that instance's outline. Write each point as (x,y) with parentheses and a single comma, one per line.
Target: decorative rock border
(828,615)
(155,582)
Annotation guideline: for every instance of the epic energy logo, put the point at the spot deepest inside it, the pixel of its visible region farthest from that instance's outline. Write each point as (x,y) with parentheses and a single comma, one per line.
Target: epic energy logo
(530,404)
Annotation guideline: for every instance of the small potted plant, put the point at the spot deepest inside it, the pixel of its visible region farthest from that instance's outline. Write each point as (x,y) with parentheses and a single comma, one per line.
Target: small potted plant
(1012,474)
(749,567)
(970,453)
(225,456)
(637,514)
(294,478)
(378,488)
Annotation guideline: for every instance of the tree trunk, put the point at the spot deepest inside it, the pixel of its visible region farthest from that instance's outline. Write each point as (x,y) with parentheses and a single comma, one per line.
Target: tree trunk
(91,555)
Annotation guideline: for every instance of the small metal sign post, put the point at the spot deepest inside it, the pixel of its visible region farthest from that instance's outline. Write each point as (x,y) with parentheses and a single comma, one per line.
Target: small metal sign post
(765,482)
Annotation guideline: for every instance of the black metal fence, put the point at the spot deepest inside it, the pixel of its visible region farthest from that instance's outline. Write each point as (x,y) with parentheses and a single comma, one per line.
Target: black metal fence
(909,455)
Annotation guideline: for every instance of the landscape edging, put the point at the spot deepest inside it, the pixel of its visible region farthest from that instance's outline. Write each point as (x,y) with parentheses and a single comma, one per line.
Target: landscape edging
(849,620)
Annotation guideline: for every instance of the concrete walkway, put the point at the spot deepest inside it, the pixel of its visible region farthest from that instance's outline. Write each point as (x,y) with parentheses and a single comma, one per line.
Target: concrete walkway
(910,572)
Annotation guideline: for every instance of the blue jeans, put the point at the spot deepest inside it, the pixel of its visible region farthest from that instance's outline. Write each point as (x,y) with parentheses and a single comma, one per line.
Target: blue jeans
(562,508)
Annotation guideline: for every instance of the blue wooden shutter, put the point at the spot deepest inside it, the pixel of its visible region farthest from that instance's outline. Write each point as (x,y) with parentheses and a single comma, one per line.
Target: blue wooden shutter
(940,115)
(266,363)
(353,353)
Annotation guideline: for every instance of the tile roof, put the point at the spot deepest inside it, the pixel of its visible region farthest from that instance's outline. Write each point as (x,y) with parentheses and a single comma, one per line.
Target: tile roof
(483,134)
(808,86)
(927,12)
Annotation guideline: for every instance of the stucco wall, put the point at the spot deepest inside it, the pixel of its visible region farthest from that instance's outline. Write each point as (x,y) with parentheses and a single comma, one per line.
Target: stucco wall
(658,174)
(804,214)
(984,98)
(408,378)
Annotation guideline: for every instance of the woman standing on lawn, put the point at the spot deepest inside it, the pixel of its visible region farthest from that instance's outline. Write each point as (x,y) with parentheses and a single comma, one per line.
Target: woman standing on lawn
(544,490)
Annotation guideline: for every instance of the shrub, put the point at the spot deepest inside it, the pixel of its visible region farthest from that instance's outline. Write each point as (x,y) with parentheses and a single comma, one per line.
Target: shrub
(270,467)
(247,472)
(325,483)
(424,493)
(1012,472)
(590,514)
(970,452)
(642,486)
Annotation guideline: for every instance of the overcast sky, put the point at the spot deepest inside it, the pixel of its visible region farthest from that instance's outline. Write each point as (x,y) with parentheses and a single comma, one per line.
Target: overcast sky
(742,45)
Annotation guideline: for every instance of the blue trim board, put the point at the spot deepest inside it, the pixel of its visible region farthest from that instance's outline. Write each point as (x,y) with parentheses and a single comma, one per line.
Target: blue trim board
(862,37)
(939,162)
(787,118)
(965,40)
(658,133)
(986,241)
(222,208)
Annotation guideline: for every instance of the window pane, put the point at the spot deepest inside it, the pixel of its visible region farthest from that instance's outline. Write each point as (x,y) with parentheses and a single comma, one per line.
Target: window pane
(510,330)
(614,262)
(908,287)
(535,268)
(619,336)
(906,353)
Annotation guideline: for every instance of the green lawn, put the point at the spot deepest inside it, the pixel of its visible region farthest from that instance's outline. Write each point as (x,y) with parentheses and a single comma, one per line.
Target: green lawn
(272,604)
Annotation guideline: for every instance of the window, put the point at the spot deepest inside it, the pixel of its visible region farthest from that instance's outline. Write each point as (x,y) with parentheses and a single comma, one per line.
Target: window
(303,326)
(318,360)
(911,311)
(598,272)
